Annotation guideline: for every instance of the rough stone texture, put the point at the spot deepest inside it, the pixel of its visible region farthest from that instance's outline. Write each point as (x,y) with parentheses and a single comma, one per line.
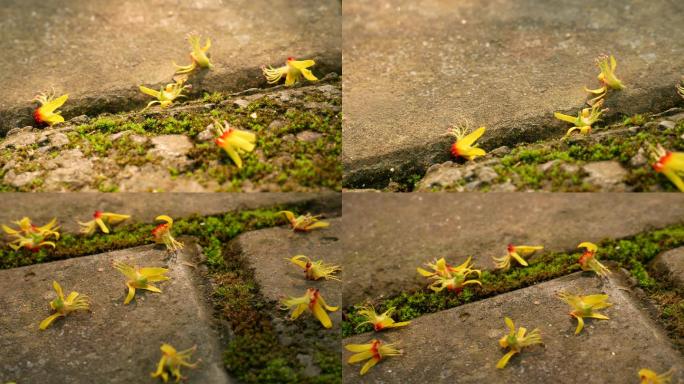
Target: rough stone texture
(671,264)
(609,175)
(413,69)
(389,235)
(267,249)
(171,145)
(115,343)
(100,51)
(461,344)
(144,207)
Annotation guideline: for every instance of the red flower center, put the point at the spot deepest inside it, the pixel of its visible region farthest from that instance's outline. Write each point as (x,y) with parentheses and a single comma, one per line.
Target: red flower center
(454,150)
(37,116)
(290,58)
(97,214)
(159,229)
(662,162)
(511,248)
(374,349)
(586,256)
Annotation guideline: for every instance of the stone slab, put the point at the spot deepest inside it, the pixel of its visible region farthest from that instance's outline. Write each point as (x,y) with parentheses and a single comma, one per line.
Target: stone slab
(115,343)
(412,69)
(386,236)
(671,264)
(100,51)
(144,207)
(461,344)
(266,249)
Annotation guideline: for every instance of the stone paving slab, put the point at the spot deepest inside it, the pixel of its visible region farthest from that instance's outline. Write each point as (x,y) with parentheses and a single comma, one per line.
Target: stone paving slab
(267,249)
(671,265)
(115,343)
(387,236)
(461,344)
(144,207)
(413,69)
(100,51)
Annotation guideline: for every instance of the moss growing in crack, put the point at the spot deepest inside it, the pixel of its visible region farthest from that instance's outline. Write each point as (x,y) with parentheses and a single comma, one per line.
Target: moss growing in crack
(631,253)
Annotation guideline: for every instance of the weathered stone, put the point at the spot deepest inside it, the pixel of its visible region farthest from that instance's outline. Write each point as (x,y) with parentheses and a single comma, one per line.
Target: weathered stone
(671,264)
(389,235)
(309,136)
(666,124)
(208,134)
(639,160)
(170,146)
(609,175)
(68,208)
(114,343)
(58,140)
(500,151)
(21,179)
(69,170)
(441,175)
(241,103)
(116,136)
(412,68)
(461,344)
(548,165)
(486,174)
(20,138)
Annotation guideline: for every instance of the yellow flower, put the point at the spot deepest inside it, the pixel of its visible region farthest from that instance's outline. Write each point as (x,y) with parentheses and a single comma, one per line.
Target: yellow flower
(314,302)
(516,341)
(63,306)
(670,164)
(162,234)
(584,120)
(141,278)
(165,95)
(30,236)
(293,71)
(374,351)
(515,252)
(304,223)
(584,306)
(463,147)
(172,361)
(379,322)
(47,112)
(649,377)
(100,220)
(234,141)
(451,278)
(588,260)
(198,55)
(314,270)
(607,76)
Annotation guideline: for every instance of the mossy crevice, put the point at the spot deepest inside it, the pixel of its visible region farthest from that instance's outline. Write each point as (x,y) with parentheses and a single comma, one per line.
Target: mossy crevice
(632,254)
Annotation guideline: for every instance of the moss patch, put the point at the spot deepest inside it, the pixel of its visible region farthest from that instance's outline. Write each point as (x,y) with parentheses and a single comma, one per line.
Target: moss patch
(632,253)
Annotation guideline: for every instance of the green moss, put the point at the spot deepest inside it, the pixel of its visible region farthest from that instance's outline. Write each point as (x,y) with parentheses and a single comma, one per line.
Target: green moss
(631,253)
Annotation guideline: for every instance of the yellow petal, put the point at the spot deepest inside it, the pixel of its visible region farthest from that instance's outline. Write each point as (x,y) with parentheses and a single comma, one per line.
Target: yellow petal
(589,246)
(290,79)
(322,316)
(152,271)
(102,225)
(308,75)
(318,224)
(469,139)
(48,320)
(58,289)
(504,360)
(165,218)
(355,358)
(357,347)
(519,259)
(131,294)
(564,117)
(151,92)
(51,106)
(369,364)
(580,324)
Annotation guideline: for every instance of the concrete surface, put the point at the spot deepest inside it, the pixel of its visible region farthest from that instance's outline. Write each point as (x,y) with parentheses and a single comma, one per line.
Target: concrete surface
(115,343)
(412,69)
(461,344)
(69,208)
(100,51)
(386,236)
(671,265)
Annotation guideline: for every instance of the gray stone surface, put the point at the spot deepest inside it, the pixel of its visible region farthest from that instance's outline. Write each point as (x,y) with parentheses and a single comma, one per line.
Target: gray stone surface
(461,344)
(144,207)
(114,343)
(414,68)
(100,51)
(386,236)
(671,265)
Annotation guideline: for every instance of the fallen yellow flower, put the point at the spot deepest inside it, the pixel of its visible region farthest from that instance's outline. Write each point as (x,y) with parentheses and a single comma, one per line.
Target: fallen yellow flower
(100,220)
(63,306)
(30,236)
(451,278)
(649,377)
(172,361)
(304,223)
(293,71)
(379,322)
(374,351)
(314,270)
(234,141)
(584,120)
(607,76)
(588,260)
(165,95)
(198,55)
(584,306)
(670,164)
(314,302)
(141,278)
(464,146)
(47,112)
(516,341)
(162,234)
(515,252)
